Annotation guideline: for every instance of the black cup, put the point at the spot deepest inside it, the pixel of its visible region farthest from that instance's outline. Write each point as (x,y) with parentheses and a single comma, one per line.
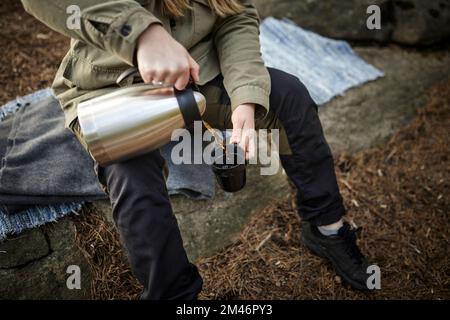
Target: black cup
(229,168)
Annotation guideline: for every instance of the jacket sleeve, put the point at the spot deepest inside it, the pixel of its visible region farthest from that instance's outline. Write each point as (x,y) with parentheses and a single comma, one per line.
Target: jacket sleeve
(246,79)
(113,26)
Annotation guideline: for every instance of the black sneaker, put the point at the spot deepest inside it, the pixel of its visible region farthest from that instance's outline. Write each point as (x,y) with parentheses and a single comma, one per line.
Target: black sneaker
(341,250)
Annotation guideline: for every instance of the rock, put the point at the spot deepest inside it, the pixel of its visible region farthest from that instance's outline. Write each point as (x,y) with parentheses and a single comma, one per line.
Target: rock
(411,22)
(367,115)
(334,19)
(23,249)
(42,274)
(421,22)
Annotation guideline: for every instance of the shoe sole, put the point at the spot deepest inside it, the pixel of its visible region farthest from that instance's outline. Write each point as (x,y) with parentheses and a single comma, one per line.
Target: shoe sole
(321,252)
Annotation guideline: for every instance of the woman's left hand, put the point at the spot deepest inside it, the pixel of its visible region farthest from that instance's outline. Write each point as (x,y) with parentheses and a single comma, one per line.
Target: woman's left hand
(243,119)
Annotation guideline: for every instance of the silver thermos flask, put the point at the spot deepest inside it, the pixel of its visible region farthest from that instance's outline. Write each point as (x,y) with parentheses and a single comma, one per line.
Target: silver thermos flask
(135,120)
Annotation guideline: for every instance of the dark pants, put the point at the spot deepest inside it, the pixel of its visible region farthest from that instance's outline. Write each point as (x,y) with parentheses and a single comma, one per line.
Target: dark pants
(143,213)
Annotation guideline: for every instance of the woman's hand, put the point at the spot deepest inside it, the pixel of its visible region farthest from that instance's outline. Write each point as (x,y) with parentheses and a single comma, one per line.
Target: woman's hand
(161,59)
(243,119)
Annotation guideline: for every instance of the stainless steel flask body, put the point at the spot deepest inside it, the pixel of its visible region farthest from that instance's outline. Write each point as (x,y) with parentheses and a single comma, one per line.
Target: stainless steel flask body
(131,121)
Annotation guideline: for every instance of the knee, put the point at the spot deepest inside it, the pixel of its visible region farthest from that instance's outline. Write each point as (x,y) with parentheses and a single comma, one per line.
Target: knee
(290,93)
(136,175)
(137,186)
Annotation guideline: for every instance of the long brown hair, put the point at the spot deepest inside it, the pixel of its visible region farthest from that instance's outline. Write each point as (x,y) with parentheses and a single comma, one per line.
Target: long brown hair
(223,8)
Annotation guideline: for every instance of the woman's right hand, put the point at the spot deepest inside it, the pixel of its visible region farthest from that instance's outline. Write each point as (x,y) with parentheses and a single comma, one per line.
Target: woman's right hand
(161,59)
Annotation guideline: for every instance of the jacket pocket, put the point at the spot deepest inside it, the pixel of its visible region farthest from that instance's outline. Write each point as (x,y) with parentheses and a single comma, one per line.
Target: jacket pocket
(86,75)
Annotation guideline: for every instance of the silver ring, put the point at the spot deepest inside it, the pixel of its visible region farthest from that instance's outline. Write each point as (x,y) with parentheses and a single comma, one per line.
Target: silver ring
(157,83)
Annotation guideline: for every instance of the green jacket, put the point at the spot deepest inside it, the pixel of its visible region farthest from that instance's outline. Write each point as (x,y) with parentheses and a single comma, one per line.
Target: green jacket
(104,46)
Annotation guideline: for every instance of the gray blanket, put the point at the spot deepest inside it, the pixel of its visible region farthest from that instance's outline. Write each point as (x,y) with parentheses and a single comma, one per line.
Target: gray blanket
(43,163)
(28,176)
